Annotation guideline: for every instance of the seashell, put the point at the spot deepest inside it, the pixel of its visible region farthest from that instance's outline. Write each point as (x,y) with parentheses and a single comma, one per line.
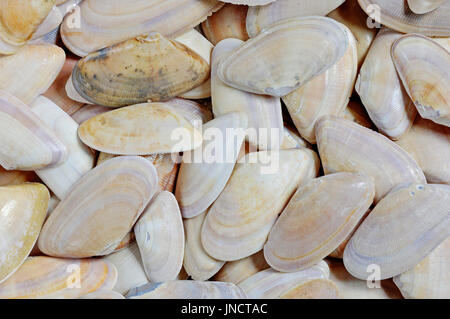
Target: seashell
(310,283)
(396,15)
(149,67)
(80,160)
(381,90)
(129,266)
(22,213)
(263,112)
(30,72)
(345,146)
(57,92)
(196,42)
(326,94)
(103,23)
(50,23)
(239,221)
(126,241)
(429,278)
(27,143)
(331,206)
(194,112)
(424,6)
(141,129)
(187,289)
(429,144)
(72,93)
(100,210)
(280,71)
(356,112)
(50,278)
(16,177)
(402,229)
(291,139)
(249,2)
(197,263)
(103,294)
(228,22)
(424,67)
(351,15)
(19,19)
(259,18)
(160,237)
(352,288)
(206,170)
(239,270)
(89,111)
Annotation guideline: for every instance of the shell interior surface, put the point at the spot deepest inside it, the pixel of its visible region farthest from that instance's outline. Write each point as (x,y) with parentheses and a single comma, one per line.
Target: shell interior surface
(424,6)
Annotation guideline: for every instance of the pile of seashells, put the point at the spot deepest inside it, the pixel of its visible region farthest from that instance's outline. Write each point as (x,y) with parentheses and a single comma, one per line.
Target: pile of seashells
(104,104)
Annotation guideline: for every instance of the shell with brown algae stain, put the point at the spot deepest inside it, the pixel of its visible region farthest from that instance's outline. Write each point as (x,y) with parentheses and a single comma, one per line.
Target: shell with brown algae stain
(148,67)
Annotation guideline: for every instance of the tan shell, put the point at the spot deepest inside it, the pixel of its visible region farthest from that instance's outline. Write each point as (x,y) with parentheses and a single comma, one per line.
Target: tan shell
(424,6)
(249,2)
(320,215)
(204,172)
(103,294)
(50,23)
(228,22)
(50,278)
(141,129)
(89,111)
(381,90)
(22,213)
(428,279)
(326,94)
(429,144)
(197,263)
(239,221)
(194,112)
(270,64)
(187,289)
(345,146)
(396,15)
(80,159)
(239,270)
(261,17)
(100,210)
(291,139)
(16,177)
(30,72)
(149,67)
(160,237)
(351,14)
(424,67)
(105,22)
(356,112)
(27,142)
(263,112)
(401,230)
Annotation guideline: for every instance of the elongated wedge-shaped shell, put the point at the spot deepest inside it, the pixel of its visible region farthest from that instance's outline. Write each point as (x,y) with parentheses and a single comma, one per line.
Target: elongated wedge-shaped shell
(319,216)
(160,237)
(22,213)
(381,90)
(428,279)
(351,14)
(239,270)
(424,67)
(80,159)
(19,19)
(100,210)
(27,143)
(265,119)
(87,112)
(142,129)
(396,15)
(30,71)
(149,67)
(47,277)
(130,269)
(270,63)
(50,23)
(261,17)
(271,284)
(187,289)
(197,263)
(429,144)
(239,221)
(345,146)
(16,177)
(326,94)
(228,22)
(100,23)
(103,294)
(424,6)
(205,171)
(402,229)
